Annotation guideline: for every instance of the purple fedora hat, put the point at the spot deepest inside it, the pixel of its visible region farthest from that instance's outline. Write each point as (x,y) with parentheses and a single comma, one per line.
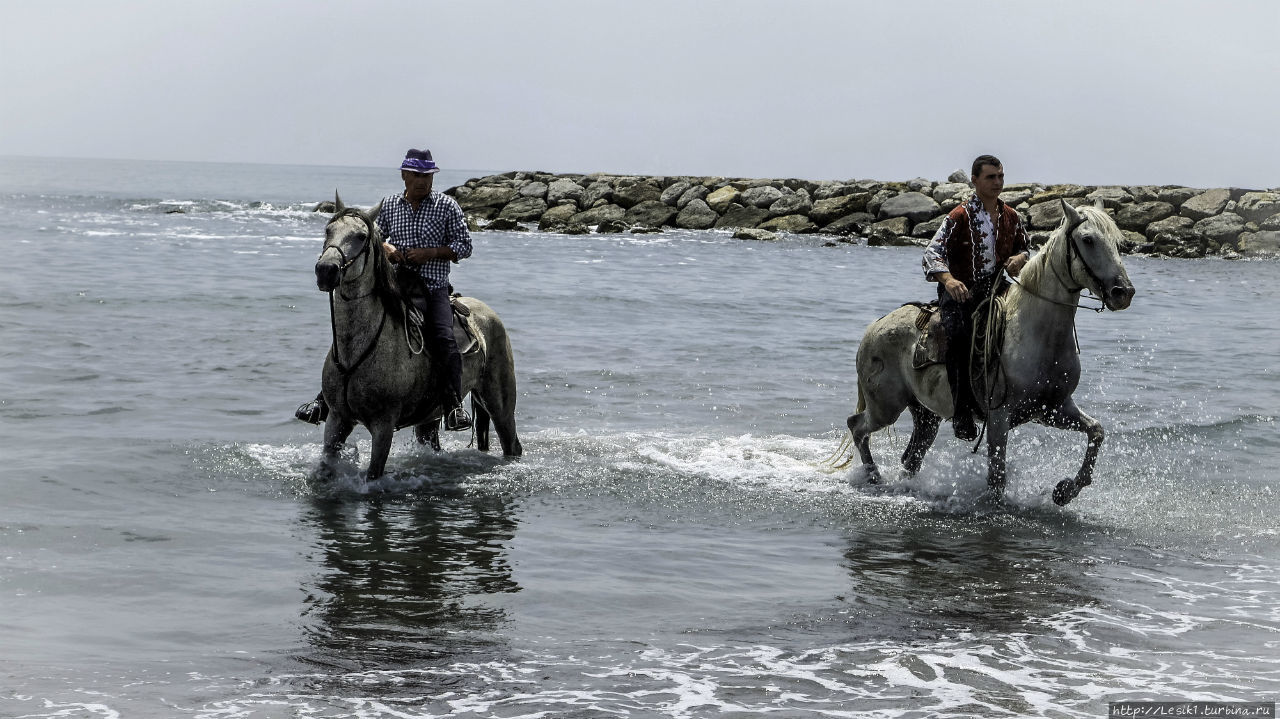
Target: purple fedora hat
(419,161)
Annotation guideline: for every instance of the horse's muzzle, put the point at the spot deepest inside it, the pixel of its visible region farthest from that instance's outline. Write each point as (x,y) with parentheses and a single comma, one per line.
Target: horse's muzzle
(327,276)
(1118,297)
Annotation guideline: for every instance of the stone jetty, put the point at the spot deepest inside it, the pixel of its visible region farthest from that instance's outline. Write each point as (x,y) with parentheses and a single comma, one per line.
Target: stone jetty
(1160,220)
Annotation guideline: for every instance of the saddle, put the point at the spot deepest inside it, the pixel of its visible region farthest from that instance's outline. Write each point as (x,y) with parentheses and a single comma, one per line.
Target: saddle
(464,330)
(931,348)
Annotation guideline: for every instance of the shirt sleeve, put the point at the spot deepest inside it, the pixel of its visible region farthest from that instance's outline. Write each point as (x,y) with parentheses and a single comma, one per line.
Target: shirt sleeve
(1021,242)
(459,237)
(383,220)
(935,255)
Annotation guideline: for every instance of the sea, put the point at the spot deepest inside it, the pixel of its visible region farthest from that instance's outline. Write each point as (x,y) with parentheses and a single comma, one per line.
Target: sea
(671,544)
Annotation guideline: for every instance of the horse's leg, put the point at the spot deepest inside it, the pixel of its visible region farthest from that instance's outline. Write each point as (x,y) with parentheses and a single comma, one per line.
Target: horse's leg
(924,428)
(336,430)
(997,442)
(480,423)
(498,395)
(382,430)
(860,426)
(1069,416)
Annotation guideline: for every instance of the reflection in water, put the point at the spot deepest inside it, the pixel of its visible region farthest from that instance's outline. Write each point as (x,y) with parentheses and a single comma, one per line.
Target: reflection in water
(981,574)
(403,581)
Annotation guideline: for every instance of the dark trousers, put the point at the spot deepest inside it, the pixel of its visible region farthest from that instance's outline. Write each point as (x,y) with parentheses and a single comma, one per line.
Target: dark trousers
(957,322)
(437,331)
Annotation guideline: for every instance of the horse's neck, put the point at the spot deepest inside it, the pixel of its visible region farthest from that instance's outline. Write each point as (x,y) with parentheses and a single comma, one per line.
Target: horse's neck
(357,311)
(1043,302)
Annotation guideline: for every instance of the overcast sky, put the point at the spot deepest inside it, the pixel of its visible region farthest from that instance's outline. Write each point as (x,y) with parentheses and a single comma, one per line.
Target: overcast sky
(1112,91)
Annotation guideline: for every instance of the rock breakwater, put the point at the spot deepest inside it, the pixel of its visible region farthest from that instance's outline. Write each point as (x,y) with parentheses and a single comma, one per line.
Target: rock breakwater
(1162,220)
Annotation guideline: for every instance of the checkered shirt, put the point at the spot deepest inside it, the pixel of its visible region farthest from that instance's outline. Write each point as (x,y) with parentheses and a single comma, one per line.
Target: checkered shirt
(437,222)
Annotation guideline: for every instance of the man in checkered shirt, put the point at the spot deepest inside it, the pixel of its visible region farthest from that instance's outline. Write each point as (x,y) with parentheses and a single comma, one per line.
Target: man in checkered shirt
(424,230)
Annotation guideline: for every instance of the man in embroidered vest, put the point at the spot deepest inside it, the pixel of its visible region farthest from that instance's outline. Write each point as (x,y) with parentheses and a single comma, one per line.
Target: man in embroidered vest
(976,240)
(426,231)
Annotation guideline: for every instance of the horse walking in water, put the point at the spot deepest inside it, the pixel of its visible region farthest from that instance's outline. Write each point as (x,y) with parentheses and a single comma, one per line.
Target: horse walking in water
(1030,380)
(377,372)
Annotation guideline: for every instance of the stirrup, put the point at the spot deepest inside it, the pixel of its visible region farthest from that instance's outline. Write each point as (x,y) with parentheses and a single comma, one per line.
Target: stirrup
(313,412)
(457,420)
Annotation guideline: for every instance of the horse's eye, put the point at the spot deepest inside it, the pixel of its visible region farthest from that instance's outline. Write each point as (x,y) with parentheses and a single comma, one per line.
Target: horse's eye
(1087,239)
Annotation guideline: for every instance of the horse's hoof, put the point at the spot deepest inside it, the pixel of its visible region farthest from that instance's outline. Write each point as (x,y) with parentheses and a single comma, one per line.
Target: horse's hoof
(1064,492)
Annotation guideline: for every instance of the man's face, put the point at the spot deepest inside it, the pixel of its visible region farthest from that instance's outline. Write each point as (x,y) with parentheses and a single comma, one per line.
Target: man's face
(417,185)
(989,181)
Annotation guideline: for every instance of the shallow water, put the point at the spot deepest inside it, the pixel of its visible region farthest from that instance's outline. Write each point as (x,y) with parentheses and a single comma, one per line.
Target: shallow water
(669,544)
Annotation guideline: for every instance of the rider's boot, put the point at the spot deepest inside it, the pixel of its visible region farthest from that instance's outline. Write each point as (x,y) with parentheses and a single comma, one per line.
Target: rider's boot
(313,412)
(962,418)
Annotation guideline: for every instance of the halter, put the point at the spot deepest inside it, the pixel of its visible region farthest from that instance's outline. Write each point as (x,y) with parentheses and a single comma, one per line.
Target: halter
(1071,247)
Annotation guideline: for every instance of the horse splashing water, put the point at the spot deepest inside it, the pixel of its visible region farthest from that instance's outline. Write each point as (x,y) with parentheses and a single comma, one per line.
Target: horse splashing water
(1029,377)
(377,372)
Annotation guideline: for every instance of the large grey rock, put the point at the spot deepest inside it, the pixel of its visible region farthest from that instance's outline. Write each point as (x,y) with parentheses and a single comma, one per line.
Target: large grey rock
(1110,197)
(1258,206)
(1271,223)
(762,196)
(740,216)
(1144,193)
(831,209)
(533,189)
(563,190)
(1258,244)
(697,192)
(596,215)
(1223,229)
(920,184)
(1013,198)
(720,199)
(1178,241)
(1138,215)
(1045,216)
(796,224)
(1205,204)
(696,215)
(952,191)
(827,190)
(927,229)
(629,196)
(753,234)
(958,176)
(852,224)
(650,213)
(556,217)
(795,203)
(879,197)
(1168,225)
(914,206)
(594,192)
(523,209)
(487,196)
(671,193)
(611,227)
(1058,192)
(1176,195)
(891,232)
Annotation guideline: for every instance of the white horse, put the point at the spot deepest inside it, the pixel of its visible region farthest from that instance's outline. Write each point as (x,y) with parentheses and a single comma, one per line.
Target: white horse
(1032,380)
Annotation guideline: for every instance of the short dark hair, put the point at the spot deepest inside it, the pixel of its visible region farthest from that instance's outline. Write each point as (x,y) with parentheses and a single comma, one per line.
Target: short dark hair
(981,160)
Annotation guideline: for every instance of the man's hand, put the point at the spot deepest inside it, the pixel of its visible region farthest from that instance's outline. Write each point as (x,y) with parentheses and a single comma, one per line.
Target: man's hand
(390,249)
(1014,264)
(957,289)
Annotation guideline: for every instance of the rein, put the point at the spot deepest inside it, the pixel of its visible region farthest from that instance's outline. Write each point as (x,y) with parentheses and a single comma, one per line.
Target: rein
(1071,246)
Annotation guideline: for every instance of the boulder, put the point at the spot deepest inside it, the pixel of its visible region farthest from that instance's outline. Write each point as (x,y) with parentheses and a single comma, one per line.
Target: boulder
(1223,229)
(740,216)
(1045,216)
(611,227)
(1271,223)
(697,192)
(754,234)
(1167,225)
(1258,244)
(671,193)
(533,189)
(1258,206)
(722,198)
(1205,204)
(650,213)
(958,176)
(1057,192)
(891,232)
(487,196)
(1180,243)
(327,206)
(594,192)
(502,224)
(852,224)
(523,209)
(561,191)
(1138,215)
(914,206)
(556,217)
(573,229)
(958,191)
(1144,193)
(1176,195)
(827,190)
(596,215)
(629,196)
(920,184)
(762,196)
(1110,197)
(927,229)
(795,203)
(696,215)
(796,224)
(831,209)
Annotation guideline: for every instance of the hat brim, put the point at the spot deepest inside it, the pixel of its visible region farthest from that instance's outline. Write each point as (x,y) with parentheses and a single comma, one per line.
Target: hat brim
(416,171)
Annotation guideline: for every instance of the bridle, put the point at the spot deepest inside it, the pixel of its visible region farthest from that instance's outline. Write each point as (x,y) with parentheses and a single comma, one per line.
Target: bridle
(370,237)
(1071,248)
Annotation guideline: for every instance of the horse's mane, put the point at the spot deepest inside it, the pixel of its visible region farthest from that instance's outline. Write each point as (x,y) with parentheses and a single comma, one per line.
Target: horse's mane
(1033,272)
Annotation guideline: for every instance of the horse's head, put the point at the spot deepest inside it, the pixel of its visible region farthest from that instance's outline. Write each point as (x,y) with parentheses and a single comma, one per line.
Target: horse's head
(1093,255)
(351,241)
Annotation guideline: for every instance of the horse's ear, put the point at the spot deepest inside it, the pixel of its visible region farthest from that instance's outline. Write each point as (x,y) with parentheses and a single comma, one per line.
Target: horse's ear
(337,203)
(1069,214)
(375,211)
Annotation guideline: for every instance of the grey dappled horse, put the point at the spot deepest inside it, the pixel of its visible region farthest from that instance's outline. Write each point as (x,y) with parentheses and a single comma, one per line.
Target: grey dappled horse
(1032,381)
(378,372)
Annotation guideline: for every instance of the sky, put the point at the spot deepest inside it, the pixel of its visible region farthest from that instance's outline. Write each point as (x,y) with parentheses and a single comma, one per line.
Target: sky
(1086,91)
